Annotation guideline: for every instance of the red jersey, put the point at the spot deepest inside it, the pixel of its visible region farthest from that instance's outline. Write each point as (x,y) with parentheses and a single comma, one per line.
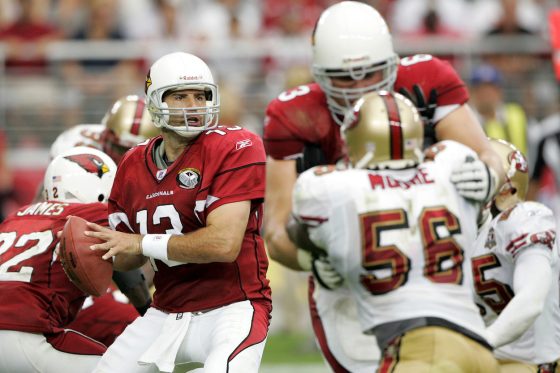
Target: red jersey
(301,116)
(35,294)
(221,166)
(104,318)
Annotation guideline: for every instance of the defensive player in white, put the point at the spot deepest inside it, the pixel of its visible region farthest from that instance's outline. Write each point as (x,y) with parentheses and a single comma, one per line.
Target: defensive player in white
(399,233)
(516,269)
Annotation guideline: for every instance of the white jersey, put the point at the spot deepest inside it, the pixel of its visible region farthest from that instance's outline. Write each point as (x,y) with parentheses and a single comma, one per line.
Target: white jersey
(527,226)
(79,135)
(399,238)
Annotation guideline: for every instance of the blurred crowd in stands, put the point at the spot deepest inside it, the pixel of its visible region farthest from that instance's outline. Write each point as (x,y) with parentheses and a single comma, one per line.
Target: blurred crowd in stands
(44,90)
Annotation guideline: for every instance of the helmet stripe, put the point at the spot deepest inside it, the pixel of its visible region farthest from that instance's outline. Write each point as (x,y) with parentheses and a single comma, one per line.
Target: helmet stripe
(135,129)
(395,126)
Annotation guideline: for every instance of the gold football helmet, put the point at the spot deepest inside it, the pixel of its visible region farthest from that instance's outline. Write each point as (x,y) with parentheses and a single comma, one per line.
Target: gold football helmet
(514,189)
(127,124)
(384,130)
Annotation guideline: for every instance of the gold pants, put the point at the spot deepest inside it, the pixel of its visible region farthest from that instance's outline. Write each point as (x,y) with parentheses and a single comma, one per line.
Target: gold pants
(434,349)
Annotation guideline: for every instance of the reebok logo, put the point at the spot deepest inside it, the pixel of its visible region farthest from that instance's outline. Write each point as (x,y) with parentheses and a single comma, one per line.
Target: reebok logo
(243,144)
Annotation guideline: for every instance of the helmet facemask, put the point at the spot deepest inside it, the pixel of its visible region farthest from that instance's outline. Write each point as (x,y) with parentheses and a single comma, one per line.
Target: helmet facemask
(340,99)
(178,119)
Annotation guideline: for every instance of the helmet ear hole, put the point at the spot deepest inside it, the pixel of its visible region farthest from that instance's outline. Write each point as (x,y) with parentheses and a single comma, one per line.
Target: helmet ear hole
(100,197)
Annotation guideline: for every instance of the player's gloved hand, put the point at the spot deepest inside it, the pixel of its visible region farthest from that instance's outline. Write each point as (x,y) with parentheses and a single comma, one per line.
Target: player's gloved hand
(321,267)
(325,273)
(426,107)
(474,180)
(312,156)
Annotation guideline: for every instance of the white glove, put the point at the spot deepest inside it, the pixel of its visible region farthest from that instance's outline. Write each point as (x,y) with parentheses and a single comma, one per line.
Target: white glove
(474,180)
(325,274)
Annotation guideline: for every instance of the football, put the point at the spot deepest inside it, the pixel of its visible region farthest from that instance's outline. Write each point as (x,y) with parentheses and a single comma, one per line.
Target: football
(83,266)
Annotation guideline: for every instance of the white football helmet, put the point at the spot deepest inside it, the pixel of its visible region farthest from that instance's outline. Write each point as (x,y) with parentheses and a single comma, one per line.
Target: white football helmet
(351,40)
(80,174)
(178,71)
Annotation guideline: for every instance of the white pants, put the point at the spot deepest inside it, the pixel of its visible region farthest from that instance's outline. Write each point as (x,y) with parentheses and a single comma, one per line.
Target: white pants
(338,332)
(227,339)
(22,352)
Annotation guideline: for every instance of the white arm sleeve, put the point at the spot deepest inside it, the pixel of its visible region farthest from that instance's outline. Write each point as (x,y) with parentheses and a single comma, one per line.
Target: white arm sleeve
(531,282)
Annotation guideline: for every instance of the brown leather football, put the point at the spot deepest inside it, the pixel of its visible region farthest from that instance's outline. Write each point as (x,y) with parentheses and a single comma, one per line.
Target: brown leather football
(83,266)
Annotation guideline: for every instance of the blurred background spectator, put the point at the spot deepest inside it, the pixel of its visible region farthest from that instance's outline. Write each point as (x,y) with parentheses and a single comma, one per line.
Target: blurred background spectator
(27,36)
(105,79)
(500,119)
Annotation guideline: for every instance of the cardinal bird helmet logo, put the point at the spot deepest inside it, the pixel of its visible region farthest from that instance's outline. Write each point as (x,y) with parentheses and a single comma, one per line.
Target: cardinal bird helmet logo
(90,162)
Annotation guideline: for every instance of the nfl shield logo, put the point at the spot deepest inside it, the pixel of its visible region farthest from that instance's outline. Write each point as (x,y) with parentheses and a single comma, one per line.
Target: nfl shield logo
(188,178)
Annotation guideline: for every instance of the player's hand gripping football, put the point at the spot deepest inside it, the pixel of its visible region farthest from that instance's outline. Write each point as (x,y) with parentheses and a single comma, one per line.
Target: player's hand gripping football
(115,242)
(474,180)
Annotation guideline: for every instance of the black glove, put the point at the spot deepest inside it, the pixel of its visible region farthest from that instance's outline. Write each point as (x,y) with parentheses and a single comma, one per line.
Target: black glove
(426,108)
(313,156)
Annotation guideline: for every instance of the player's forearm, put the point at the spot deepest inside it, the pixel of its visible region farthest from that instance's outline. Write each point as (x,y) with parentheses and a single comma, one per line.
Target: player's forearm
(281,249)
(514,320)
(531,284)
(493,161)
(205,245)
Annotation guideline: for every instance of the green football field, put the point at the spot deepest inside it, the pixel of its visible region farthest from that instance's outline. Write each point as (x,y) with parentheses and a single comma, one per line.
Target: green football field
(283,348)
(291,353)
(284,353)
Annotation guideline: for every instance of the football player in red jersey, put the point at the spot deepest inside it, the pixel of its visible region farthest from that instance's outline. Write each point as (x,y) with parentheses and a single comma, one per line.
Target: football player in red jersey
(190,202)
(125,124)
(37,300)
(352,55)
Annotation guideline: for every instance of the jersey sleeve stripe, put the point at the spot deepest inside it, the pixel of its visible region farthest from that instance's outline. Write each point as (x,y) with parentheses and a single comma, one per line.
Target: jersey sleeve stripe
(232,170)
(314,221)
(240,168)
